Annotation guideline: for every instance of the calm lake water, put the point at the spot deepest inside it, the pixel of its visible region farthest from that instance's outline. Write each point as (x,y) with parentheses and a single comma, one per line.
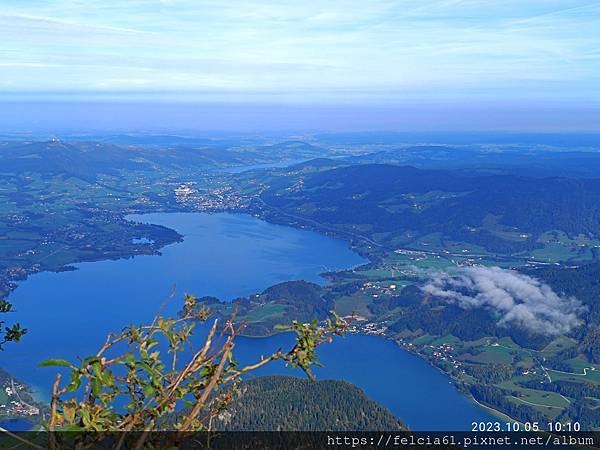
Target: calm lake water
(16,425)
(225,255)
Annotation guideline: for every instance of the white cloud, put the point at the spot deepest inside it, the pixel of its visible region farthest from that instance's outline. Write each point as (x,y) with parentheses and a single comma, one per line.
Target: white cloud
(517,299)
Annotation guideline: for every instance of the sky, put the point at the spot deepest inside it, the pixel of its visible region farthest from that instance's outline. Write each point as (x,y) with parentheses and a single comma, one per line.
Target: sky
(391,53)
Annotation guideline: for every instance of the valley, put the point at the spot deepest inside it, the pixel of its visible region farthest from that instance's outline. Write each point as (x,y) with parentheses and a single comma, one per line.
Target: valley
(406,223)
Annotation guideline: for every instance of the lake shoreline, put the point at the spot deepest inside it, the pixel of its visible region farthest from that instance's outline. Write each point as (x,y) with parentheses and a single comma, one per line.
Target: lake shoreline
(499,414)
(116,291)
(168,237)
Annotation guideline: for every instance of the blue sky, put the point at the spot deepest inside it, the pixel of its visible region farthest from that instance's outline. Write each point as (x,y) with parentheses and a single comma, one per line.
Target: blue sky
(303,51)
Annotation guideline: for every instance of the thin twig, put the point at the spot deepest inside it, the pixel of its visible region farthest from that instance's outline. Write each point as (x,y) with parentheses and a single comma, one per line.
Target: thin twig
(217,375)
(54,403)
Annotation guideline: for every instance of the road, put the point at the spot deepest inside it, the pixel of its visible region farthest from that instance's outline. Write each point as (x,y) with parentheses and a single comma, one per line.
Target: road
(14,389)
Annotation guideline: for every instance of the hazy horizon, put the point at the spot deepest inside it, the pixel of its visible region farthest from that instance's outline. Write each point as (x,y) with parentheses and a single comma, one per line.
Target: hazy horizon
(180,117)
(335,65)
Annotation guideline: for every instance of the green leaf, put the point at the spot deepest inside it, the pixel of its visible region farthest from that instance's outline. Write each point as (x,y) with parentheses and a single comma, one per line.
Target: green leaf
(96,387)
(75,381)
(149,390)
(97,369)
(87,361)
(56,363)
(126,360)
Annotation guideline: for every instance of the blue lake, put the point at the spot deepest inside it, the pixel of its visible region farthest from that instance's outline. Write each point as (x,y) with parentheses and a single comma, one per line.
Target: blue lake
(16,425)
(225,255)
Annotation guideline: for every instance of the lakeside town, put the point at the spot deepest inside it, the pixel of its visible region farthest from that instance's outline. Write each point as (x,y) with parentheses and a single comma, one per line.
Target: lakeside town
(16,401)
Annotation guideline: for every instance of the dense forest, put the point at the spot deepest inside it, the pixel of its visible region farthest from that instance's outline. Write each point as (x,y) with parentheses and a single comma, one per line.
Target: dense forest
(582,283)
(279,403)
(437,317)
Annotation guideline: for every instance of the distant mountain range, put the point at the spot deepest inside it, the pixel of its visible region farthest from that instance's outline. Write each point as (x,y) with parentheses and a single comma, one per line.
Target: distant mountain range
(87,160)
(516,160)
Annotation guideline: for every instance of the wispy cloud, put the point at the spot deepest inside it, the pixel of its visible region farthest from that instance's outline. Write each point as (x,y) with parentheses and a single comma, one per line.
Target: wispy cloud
(427,48)
(517,299)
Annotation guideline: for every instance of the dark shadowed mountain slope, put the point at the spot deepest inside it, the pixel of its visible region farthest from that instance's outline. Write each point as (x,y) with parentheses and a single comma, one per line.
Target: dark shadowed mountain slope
(386,202)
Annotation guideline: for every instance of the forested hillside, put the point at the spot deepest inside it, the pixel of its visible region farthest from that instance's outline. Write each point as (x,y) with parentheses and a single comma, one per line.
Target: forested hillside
(279,403)
(300,300)
(389,203)
(582,283)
